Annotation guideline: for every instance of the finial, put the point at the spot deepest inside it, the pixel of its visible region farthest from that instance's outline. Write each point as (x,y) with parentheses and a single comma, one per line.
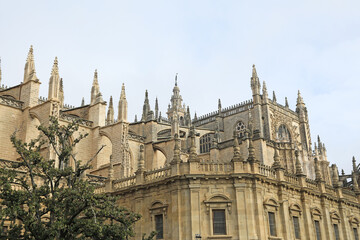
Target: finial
(135,118)
(122,94)
(146,94)
(276,164)
(61,85)
(55,68)
(176,79)
(264,87)
(286,102)
(219,104)
(83,102)
(254,73)
(274,97)
(318,175)
(111,102)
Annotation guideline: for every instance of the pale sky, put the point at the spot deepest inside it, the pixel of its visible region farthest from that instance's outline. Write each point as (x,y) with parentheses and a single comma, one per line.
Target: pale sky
(313,46)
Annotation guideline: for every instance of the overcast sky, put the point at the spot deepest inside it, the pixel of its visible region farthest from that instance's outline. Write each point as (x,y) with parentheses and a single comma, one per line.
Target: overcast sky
(313,46)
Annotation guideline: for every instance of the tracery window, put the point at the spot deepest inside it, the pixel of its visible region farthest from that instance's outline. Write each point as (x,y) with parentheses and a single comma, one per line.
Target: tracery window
(205,143)
(283,134)
(240,129)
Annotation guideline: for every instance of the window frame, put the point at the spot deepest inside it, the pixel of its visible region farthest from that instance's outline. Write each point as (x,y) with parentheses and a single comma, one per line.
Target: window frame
(224,232)
(162,226)
(218,202)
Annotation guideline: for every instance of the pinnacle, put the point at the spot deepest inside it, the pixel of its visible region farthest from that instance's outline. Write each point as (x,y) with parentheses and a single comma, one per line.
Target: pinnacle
(176,79)
(30,54)
(254,73)
(55,68)
(122,95)
(111,102)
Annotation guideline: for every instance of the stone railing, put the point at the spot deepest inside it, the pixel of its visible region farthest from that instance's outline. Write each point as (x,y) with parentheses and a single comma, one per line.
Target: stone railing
(124,182)
(100,189)
(312,184)
(157,174)
(267,171)
(11,102)
(291,178)
(71,118)
(215,167)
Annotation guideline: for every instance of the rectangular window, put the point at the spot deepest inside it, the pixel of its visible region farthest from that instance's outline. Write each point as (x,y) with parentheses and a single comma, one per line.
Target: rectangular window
(317,230)
(272,224)
(336,231)
(219,222)
(356,234)
(159,226)
(296,227)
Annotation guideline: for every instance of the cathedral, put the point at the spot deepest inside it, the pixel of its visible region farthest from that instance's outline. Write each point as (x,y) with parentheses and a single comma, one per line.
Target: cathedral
(244,172)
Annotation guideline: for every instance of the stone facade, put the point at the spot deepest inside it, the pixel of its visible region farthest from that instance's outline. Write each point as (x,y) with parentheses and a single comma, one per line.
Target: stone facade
(248,171)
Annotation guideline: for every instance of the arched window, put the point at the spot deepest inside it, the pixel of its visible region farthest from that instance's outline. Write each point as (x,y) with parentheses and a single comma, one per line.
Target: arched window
(205,143)
(240,129)
(283,134)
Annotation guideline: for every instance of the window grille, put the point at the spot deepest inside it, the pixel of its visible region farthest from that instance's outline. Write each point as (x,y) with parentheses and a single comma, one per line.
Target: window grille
(317,229)
(272,224)
(296,227)
(159,226)
(219,222)
(336,232)
(356,234)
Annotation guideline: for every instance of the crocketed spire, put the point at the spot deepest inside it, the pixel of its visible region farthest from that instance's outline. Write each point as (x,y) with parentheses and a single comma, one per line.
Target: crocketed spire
(29,70)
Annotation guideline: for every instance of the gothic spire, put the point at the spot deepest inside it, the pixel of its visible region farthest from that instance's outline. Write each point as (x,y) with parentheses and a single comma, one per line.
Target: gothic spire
(123,105)
(61,92)
(95,90)
(255,86)
(146,107)
(286,103)
(300,100)
(29,70)
(354,164)
(110,113)
(156,108)
(265,93)
(274,97)
(54,82)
